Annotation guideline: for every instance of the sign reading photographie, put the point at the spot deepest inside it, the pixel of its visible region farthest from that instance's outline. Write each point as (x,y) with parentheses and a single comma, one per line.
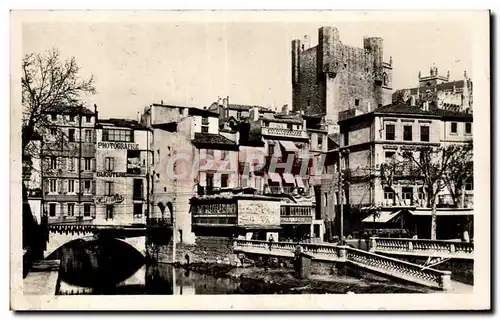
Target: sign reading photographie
(111,199)
(118,145)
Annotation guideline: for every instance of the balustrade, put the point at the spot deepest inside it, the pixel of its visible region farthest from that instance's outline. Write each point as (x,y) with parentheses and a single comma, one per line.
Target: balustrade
(421,245)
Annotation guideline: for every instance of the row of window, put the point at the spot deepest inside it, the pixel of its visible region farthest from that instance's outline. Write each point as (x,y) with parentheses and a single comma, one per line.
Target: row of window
(72,118)
(117,135)
(137,189)
(70,210)
(390,133)
(88,138)
(72,164)
(69,186)
(467,129)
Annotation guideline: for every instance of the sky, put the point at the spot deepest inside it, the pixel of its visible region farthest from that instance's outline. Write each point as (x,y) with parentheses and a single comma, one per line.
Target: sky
(138,63)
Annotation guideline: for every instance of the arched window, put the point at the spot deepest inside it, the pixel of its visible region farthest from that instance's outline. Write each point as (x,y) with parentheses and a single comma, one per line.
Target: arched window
(384,78)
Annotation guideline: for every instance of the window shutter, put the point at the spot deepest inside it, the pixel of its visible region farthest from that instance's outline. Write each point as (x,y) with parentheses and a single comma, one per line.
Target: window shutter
(112,163)
(65,186)
(93,187)
(92,164)
(46,185)
(60,186)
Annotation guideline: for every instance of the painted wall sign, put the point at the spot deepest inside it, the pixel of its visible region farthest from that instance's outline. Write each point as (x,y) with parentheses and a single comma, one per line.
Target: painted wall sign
(110,174)
(296,220)
(112,199)
(118,145)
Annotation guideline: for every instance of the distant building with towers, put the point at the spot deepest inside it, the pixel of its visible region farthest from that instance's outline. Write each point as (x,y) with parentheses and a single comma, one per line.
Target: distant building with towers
(453,95)
(333,77)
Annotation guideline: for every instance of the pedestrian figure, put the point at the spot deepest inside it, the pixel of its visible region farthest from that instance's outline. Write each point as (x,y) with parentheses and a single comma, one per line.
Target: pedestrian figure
(271,240)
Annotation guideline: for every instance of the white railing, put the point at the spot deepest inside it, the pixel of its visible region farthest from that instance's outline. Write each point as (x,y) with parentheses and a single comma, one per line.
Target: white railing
(399,268)
(282,132)
(365,259)
(425,246)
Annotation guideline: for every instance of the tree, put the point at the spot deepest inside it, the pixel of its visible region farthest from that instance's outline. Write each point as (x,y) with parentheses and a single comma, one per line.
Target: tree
(459,172)
(49,85)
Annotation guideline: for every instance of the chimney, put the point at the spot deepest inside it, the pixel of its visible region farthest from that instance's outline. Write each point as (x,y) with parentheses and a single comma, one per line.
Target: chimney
(425,106)
(306,43)
(96,113)
(413,100)
(369,107)
(161,102)
(254,114)
(224,102)
(284,109)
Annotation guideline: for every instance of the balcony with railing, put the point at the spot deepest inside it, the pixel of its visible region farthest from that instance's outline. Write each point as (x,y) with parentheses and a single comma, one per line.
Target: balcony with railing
(215,214)
(282,132)
(296,214)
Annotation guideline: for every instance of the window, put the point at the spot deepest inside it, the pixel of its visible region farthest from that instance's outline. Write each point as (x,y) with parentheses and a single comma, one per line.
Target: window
(224,154)
(71,164)
(53,131)
(325,199)
(86,209)
(86,186)
(53,185)
(137,189)
(137,209)
(52,209)
(117,135)
(109,164)
(238,115)
(346,138)
(210,180)
(469,185)
(356,102)
(320,142)
(424,133)
(88,136)
(389,195)
(53,163)
(71,135)
(453,127)
(308,103)
(271,149)
(53,117)
(204,124)
(87,164)
(71,209)
(71,185)
(109,211)
(407,133)
(71,118)
(108,188)
(384,77)
(134,161)
(389,155)
(407,195)
(468,128)
(88,119)
(390,132)
(224,180)
(289,126)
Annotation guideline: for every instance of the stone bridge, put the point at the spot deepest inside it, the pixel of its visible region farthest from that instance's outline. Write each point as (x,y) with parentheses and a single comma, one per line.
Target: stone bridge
(58,235)
(370,261)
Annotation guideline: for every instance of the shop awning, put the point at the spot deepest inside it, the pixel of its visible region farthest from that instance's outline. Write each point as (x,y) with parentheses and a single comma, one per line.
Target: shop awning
(384,217)
(442,213)
(300,182)
(274,177)
(289,146)
(288,177)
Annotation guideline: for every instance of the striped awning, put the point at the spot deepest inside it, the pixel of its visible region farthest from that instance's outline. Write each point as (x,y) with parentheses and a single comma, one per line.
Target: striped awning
(383,217)
(288,177)
(300,182)
(274,177)
(289,146)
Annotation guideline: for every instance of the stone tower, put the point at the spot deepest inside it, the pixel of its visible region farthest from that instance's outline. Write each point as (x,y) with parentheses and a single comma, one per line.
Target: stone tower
(333,77)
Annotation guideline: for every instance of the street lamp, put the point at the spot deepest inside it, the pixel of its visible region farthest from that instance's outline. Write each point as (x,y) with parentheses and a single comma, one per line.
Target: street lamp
(341,193)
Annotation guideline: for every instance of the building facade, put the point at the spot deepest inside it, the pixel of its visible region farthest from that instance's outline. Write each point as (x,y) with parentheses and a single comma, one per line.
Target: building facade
(453,95)
(68,165)
(123,161)
(332,77)
(397,131)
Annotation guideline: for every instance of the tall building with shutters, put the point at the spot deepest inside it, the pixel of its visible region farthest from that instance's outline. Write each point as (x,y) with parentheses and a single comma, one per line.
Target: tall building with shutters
(121,172)
(68,164)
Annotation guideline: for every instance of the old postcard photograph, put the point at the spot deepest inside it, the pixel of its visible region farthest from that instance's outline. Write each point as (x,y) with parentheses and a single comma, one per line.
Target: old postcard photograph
(250,160)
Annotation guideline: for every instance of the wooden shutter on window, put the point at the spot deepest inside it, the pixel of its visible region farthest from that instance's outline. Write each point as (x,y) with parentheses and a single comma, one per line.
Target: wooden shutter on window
(92,164)
(93,187)
(59,186)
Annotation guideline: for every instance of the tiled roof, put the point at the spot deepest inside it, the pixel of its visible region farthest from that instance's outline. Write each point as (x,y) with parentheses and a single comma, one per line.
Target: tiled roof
(407,108)
(203,112)
(244,107)
(211,138)
(124,123)
(70,110)
(283,119)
